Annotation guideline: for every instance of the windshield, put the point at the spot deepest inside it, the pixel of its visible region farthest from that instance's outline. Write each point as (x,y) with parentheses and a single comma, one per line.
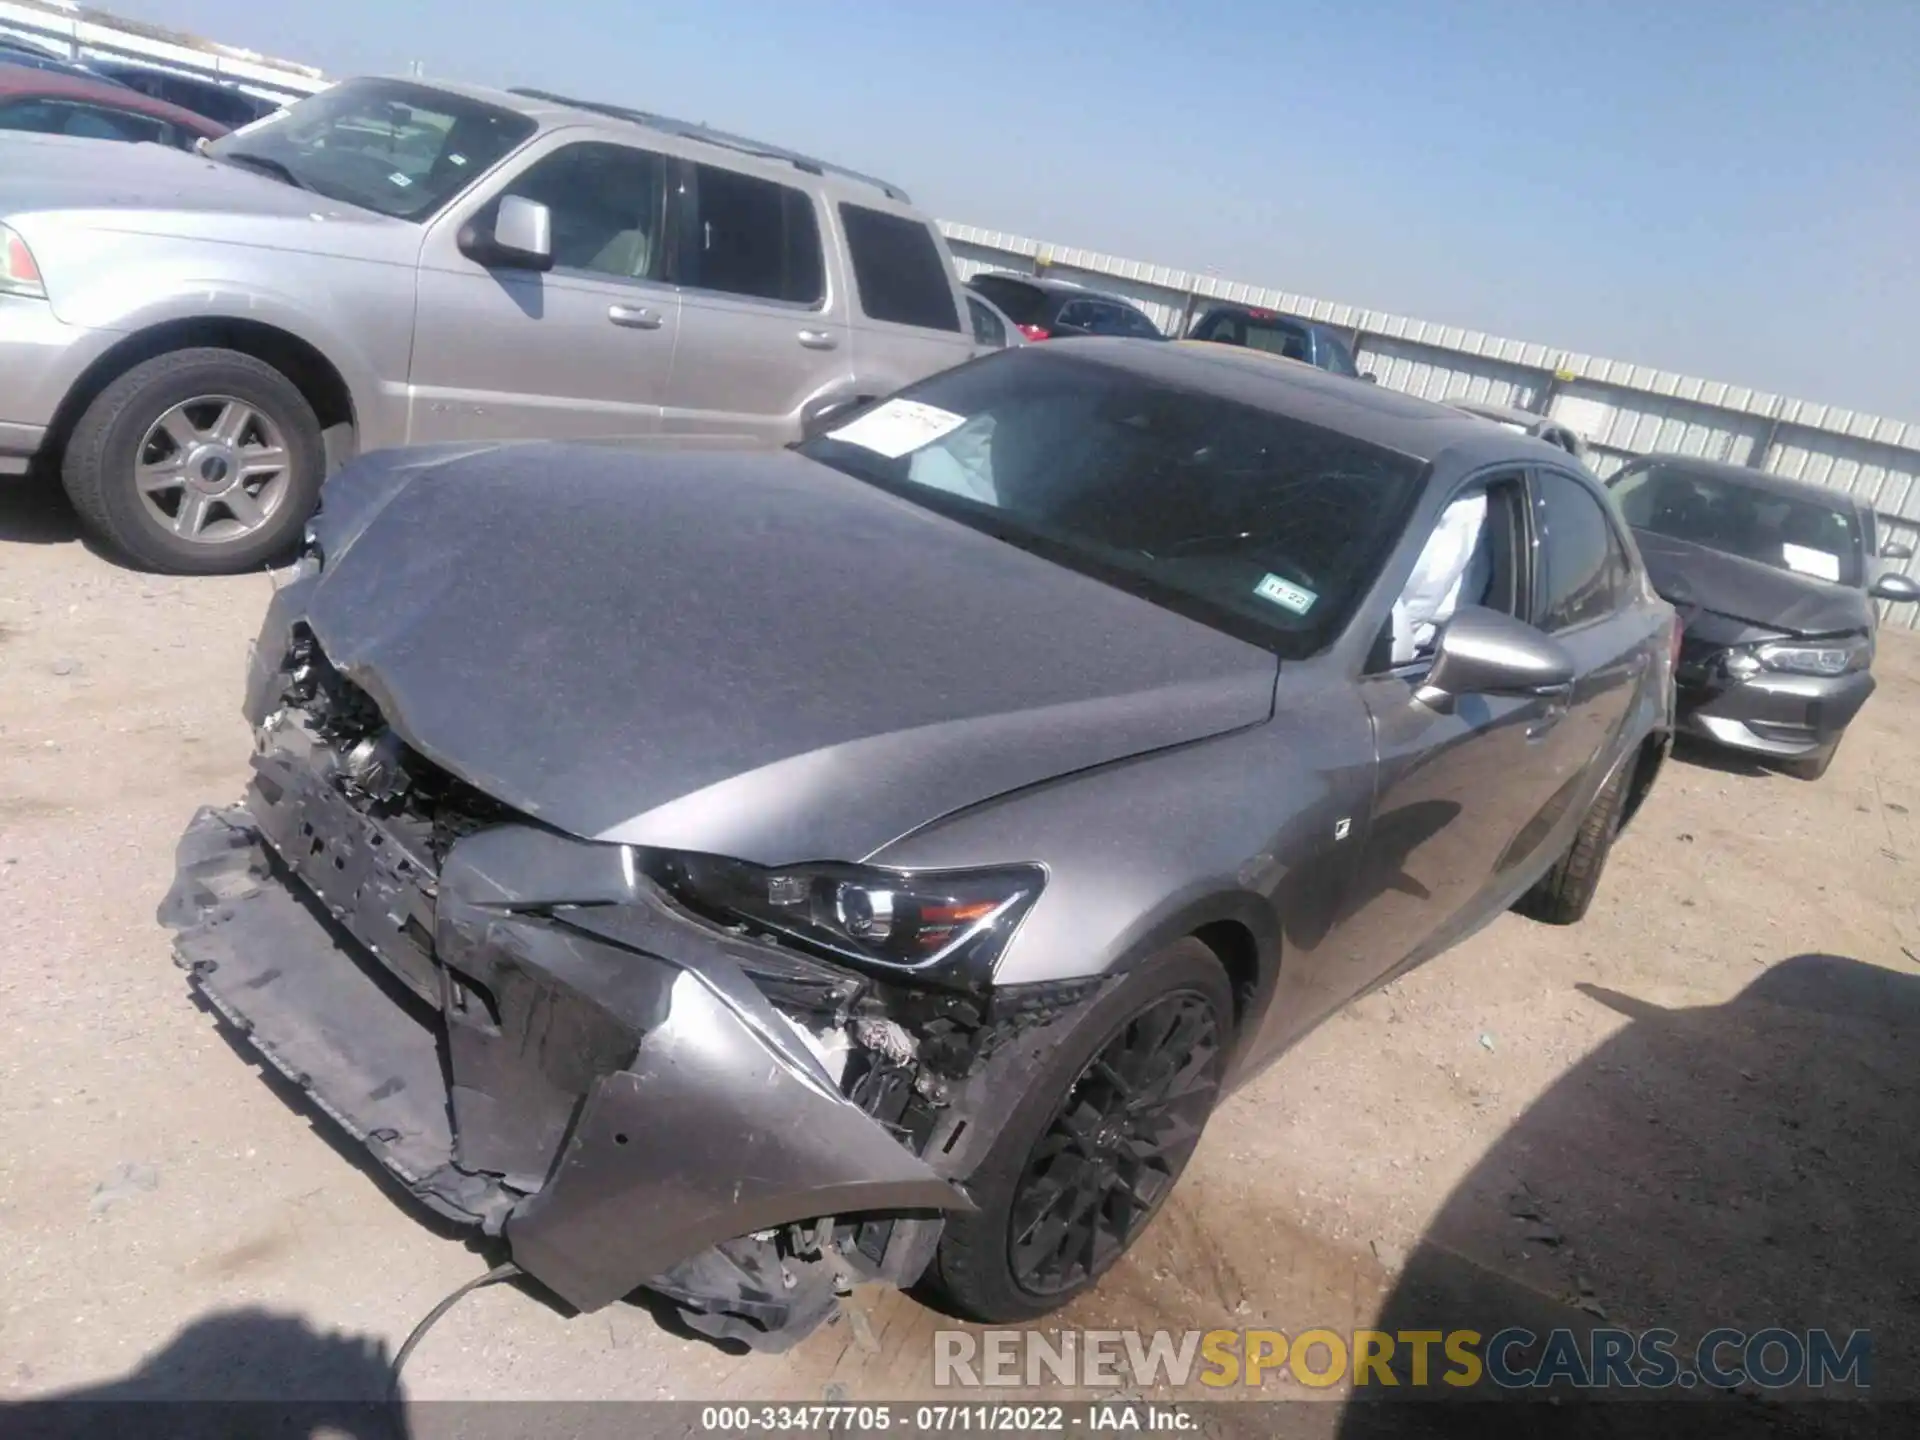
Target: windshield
(1251,522)
(1750,521)
(403,150)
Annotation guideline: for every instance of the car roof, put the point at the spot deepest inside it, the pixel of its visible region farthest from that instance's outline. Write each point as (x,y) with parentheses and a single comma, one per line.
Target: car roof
(1418,429)
(23,80)
(1781,485)
(1511,414)
(550,110)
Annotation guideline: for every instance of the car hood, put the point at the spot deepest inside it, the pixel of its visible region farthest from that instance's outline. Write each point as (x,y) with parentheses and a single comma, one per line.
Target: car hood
(739,652)
(1694,577)
(153,189)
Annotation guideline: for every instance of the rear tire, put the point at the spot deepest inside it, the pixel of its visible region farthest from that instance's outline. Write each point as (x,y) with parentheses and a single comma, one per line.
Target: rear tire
(1089,1149)
(1811,767)
(117,456)
(1562,895)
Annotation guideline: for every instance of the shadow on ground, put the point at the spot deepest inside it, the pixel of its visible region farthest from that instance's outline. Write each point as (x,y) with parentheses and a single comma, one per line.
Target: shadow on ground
(239,1373)
(1749,1165)
(1703,755)
(34,511)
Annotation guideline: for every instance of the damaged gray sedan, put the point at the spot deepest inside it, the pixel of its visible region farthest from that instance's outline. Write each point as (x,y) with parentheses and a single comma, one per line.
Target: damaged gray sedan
(742,875)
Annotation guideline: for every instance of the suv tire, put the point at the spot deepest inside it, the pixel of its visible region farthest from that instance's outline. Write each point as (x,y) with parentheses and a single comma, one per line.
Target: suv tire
(1065,1114)
(172,413)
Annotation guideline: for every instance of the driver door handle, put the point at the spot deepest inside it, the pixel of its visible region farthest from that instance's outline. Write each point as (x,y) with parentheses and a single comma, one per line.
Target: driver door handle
(635,317)
(1557,697)
(818,339)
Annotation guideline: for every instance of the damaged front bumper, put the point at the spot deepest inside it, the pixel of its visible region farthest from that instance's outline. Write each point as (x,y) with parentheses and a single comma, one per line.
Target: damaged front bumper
(534,1040)
(1771,714)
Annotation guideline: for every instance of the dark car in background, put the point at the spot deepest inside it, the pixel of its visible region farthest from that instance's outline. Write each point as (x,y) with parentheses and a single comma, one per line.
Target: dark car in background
(226,104)
(1048,309)
(1775,581)
(902,906)
(49,102)
(1256,328)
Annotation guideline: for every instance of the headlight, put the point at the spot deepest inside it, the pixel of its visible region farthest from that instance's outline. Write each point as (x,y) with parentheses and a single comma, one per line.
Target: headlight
(952,924)
(19,275)
(1831,657)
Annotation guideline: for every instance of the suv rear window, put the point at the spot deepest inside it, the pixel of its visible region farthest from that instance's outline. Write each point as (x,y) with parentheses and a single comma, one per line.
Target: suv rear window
(898,270)
(1021,303)
(754,237)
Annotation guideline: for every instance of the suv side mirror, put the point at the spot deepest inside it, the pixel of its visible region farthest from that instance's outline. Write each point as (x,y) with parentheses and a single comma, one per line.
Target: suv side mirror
(1484,652)
(1896,550)
(522,237)
(1369,378)
(1902,589)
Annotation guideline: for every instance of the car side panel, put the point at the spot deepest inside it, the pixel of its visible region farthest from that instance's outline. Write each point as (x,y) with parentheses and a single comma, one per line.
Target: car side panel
(1261,828)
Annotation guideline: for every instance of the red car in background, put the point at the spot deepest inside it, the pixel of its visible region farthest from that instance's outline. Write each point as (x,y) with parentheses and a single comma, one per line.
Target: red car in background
(54,103)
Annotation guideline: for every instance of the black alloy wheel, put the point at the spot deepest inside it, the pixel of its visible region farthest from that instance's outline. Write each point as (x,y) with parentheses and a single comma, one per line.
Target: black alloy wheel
(1113,1149)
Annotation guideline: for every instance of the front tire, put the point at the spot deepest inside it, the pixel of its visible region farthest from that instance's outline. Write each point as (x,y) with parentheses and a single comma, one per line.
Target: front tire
(197,462)
(1096,1144)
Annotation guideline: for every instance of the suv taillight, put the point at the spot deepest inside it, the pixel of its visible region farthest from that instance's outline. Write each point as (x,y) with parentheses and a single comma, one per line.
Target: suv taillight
(1035,332)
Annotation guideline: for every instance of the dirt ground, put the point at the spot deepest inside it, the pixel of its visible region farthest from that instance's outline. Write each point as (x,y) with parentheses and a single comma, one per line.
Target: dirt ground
(1675,1113)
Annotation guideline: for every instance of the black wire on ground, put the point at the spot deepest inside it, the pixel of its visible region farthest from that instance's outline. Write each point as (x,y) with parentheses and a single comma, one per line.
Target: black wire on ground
(499,1272)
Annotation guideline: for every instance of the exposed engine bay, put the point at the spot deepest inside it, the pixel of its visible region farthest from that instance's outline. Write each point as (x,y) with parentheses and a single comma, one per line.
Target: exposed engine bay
(536,1036)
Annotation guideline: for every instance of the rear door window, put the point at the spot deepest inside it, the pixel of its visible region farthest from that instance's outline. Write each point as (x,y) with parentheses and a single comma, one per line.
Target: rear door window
(1112,319)
(1076,315)
(898,270)
(749,236)
(1280,337)
(1587,571)
(1223,327)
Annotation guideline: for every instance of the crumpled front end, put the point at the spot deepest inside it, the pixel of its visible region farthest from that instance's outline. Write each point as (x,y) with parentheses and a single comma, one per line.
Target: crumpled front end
(535,1039)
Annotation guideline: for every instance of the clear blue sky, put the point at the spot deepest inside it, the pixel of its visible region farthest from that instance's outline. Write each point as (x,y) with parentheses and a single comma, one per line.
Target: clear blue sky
(1727,189)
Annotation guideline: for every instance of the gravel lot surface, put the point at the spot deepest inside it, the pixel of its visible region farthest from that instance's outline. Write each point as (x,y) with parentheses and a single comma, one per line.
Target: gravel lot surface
(1675,1113)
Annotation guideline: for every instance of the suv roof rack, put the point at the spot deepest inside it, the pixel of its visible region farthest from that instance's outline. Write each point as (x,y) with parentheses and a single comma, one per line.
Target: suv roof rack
(686,129)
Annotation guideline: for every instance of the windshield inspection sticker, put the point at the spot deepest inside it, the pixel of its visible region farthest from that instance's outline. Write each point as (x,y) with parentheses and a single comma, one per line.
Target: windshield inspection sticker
(898,427)
(1272,587)
(1808,561)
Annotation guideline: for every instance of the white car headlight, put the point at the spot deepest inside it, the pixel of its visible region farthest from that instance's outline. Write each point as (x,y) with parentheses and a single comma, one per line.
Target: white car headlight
(1829,657)
(19,275)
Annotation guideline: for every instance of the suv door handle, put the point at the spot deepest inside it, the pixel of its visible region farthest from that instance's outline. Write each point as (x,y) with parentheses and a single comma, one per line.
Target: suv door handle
(635,317)
(819,339)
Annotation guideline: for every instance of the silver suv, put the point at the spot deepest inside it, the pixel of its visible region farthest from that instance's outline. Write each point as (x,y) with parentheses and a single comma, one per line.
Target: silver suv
(195,341)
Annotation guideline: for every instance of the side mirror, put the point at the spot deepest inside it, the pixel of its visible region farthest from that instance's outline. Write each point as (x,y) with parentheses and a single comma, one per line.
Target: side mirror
(1368,377)
(831,415)
(1483,652)
(522,237)
(1896,550)
(1902,589)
